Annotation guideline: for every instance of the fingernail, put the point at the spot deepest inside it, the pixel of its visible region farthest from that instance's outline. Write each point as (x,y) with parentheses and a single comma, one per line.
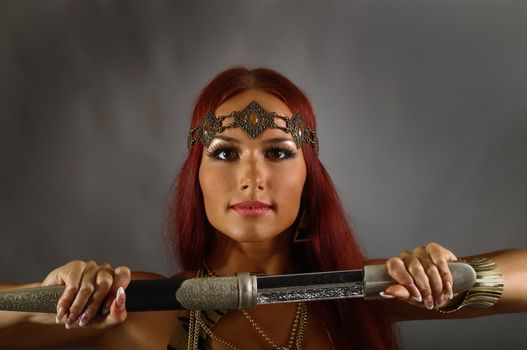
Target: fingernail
(60,314)
(386,296)
(449,291)
(84,319)
(429,302)
(70,321)
(416,293)
(121,298)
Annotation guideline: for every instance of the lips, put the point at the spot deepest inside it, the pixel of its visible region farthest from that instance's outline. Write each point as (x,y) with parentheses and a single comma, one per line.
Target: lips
(251,208)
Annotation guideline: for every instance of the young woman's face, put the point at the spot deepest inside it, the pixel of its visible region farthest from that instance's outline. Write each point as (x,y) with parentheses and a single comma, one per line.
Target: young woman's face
(252,187)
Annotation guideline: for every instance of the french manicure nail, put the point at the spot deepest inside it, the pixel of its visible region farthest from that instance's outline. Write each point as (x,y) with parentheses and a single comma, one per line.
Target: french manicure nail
(386,296)
(70,321)
(429,302)
(60,314)
(83,321)
(121,298)
(416,293)
(449,292)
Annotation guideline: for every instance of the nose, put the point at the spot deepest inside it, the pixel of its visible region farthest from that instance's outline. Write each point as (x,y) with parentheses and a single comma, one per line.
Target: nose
(251,176)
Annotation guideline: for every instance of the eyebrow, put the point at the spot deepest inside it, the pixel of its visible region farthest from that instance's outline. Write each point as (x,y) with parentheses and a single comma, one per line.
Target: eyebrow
(268,141)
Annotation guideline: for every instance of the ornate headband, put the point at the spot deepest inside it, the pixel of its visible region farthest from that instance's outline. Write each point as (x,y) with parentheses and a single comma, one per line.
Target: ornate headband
(253,120)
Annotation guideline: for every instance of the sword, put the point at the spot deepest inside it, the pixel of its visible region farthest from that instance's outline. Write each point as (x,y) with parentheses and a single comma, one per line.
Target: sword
(242,291)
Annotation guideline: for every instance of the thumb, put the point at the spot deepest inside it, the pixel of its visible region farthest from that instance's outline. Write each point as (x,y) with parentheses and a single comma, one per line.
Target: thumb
(118,306)
(121,279)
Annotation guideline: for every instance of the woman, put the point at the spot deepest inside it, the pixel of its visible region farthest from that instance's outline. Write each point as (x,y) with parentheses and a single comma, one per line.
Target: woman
(253,196)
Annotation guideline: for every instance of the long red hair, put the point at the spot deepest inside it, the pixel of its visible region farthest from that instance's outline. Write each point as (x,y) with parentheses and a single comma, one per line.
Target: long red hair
(352,324)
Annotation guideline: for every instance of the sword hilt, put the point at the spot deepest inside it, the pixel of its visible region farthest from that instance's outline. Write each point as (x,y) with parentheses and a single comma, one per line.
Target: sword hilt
(377,279)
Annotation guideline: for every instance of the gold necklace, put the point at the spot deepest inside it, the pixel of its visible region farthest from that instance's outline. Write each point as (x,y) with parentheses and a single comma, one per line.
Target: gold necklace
(296,336)
(299,324)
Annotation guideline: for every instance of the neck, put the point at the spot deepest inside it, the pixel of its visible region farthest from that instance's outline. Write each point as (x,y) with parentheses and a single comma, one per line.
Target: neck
(271,257)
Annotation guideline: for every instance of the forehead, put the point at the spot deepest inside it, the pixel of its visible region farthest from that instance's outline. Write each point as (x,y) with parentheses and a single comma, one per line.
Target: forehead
(238,102)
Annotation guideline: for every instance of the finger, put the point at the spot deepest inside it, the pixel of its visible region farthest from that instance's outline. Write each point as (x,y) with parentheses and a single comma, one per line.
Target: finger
(396,291)
(121,278)
(438,251)
(397,269)
(446,277)
(103,284)
(416,269)
(72,281)
(84,294)
(434,280)
(116,312)
(440,257)
(118,308)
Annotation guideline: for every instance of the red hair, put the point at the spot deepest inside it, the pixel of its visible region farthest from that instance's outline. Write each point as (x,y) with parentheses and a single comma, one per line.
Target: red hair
(362,325)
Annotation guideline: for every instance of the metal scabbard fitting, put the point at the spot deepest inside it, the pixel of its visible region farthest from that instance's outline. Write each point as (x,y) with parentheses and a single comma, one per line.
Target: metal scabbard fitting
(228,293)
(208,293)
(247,290)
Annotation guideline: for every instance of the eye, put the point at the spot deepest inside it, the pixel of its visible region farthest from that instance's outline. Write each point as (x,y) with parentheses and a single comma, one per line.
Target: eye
(280,153)
(223,154)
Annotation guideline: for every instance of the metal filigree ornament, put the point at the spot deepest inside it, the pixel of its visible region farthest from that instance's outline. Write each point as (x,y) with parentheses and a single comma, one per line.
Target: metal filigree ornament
(254,120)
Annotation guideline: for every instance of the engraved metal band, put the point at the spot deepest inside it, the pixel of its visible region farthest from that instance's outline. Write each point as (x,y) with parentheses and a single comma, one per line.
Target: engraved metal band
(485,292)
(253,120)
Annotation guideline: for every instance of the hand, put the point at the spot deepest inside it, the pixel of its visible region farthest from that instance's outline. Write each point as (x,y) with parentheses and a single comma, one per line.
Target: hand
(89,288)
(422,275)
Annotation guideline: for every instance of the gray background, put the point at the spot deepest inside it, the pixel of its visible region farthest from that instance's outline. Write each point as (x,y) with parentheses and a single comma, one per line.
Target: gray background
(422,122)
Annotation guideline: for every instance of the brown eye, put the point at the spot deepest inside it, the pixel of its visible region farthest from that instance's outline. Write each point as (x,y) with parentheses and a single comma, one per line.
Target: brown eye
(279,153)
(223,154)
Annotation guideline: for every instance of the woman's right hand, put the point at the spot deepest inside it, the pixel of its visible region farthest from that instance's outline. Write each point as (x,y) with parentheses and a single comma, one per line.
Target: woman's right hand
(90,287)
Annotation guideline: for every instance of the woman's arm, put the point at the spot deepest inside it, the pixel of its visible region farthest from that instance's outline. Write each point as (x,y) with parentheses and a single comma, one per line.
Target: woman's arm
(88,288)
(424,269)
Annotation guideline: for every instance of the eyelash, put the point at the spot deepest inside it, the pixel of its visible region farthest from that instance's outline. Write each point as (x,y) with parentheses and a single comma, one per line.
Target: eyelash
(217,149)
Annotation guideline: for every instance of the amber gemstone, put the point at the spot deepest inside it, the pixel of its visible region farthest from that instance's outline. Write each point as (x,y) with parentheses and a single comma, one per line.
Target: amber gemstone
(253,118)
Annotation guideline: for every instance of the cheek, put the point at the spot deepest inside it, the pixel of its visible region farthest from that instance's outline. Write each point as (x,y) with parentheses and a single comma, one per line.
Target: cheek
(215,187)
(290,186)
(208,185)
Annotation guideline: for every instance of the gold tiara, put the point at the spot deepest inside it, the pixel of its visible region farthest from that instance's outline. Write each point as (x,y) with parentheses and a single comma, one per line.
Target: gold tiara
(253,120)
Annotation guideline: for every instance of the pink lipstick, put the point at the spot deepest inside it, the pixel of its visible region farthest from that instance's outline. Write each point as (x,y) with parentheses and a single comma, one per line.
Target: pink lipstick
(251,208)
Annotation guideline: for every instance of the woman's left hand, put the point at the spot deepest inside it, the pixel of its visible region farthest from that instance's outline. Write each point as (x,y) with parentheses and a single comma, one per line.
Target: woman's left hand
(422,275)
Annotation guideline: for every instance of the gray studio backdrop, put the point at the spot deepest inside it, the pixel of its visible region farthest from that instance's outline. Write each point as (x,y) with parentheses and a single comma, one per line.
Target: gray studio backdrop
(422,124)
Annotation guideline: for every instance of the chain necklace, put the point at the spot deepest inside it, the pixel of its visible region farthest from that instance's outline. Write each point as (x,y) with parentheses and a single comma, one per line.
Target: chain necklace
(295,337)
(299,324)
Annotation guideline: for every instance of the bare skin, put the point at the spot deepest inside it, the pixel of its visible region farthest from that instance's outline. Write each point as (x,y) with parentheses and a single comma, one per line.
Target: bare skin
(235,168)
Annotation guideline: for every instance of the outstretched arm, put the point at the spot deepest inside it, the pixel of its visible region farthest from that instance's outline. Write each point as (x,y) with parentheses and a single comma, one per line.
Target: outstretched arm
(425,281)
(89,287)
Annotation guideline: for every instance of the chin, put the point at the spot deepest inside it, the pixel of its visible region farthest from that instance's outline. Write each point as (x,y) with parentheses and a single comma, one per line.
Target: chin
(252,238)
(255,237)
